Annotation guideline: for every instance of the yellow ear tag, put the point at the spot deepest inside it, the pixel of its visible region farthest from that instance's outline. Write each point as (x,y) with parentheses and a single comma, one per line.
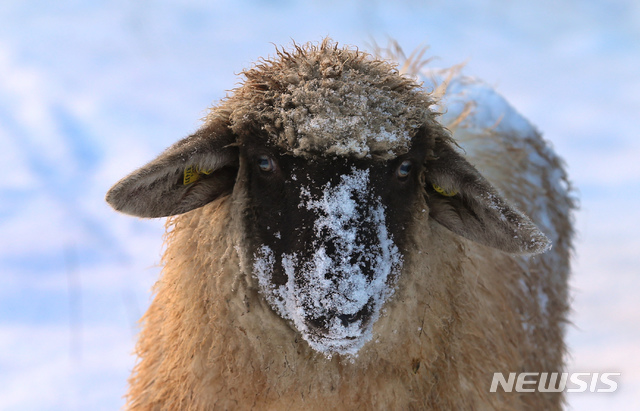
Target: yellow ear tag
(193,173)
(444,192)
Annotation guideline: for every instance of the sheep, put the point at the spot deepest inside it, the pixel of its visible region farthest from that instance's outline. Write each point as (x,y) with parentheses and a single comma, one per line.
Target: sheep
(330,246)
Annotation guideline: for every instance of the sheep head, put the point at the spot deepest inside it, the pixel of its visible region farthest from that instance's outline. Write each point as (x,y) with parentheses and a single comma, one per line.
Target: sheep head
(336,152)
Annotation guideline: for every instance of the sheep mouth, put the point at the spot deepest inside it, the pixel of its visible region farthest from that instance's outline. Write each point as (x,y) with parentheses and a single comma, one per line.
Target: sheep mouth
(329,326)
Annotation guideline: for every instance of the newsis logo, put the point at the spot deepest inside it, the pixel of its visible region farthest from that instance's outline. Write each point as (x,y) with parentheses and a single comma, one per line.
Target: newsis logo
(555,382)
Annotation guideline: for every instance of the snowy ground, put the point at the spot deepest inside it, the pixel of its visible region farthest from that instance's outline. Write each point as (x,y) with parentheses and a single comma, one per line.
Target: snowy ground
(89,90)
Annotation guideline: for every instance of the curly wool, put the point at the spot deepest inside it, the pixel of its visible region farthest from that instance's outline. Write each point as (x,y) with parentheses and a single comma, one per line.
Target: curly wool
(311,102)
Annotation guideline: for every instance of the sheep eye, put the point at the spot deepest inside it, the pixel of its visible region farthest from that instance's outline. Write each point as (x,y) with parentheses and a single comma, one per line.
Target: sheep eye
(404,169)
(266,163)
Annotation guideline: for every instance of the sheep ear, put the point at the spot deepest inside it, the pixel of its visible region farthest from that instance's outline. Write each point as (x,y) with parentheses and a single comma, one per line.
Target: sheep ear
(188,175)
(463,201)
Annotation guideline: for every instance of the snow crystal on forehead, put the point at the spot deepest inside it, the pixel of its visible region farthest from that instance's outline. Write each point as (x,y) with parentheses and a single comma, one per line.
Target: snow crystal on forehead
(346,117)
(325,286)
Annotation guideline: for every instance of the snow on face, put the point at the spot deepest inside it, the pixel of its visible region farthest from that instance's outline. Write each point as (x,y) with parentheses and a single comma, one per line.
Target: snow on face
(334,293)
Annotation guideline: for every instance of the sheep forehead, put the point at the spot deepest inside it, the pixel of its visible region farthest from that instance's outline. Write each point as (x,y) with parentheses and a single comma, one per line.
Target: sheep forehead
(336,102)
(343,117)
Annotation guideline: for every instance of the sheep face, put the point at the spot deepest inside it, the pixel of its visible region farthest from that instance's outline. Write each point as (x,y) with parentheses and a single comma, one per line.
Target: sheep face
(336,154)
(328,238)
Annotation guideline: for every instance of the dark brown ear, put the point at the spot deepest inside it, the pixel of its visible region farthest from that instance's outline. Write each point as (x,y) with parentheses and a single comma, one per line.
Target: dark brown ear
(463,201)
(188,175)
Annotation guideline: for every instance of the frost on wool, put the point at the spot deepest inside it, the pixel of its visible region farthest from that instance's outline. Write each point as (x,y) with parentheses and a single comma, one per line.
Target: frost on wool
(331,113)
(330,283)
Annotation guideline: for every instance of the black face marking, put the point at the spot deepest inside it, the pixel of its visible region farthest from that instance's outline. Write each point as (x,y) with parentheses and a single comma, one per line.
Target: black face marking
(328,238)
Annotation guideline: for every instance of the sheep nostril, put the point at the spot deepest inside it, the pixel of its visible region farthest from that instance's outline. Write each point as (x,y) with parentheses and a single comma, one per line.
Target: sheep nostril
(318,324)
(346,319)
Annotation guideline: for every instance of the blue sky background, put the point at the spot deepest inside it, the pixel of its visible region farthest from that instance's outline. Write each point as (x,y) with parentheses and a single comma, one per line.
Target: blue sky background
(90,90)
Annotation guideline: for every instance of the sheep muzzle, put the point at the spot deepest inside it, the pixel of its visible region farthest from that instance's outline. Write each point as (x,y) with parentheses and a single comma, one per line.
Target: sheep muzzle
(333,285)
